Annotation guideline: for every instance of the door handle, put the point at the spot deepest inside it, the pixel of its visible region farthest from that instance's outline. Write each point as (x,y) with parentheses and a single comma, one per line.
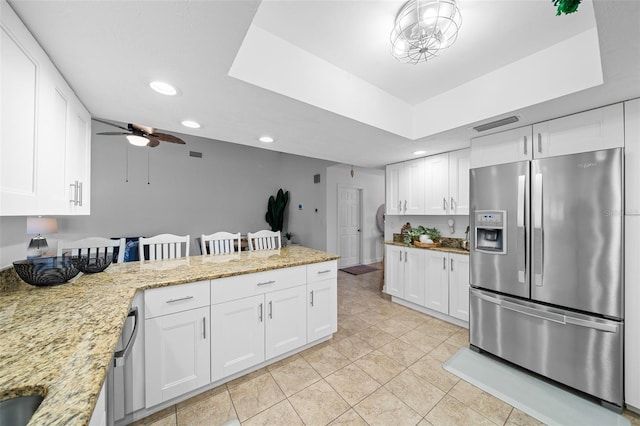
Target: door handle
(405,206)
(260,312)
(524,144)
(444,263)
(119,356)
(540,143)
(451,261)
(400,206)
(179,299)
(538,231)
(267,282)
(444,204)
(405,256)
(270,309)
(536,313)
(204,328)
(311,298)
(452,204)
(80,194)
(520,229)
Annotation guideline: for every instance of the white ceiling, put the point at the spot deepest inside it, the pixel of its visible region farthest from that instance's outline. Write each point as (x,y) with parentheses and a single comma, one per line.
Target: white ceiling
(110,50)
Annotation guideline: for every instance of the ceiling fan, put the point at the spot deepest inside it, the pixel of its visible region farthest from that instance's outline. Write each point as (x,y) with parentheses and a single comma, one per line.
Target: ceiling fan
(140,135)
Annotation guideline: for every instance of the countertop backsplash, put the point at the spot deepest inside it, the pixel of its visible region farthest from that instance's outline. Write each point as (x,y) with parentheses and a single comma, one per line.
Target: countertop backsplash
(393,224)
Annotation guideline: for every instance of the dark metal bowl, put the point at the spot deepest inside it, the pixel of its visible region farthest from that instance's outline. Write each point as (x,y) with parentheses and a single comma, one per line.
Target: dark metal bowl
(93,264)
(46,271)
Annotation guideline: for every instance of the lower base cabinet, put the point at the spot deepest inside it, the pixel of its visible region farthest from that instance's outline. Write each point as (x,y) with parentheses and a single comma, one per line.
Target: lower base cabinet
(322,310)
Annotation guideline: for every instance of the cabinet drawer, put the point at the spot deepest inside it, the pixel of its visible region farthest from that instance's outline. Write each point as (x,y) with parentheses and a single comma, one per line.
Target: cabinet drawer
(232,288)
(322,271)
(177,298)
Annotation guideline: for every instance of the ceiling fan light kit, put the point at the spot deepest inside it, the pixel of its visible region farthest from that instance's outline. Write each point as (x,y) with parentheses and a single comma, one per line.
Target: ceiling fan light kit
(423,29)
(140,135)
(137,140)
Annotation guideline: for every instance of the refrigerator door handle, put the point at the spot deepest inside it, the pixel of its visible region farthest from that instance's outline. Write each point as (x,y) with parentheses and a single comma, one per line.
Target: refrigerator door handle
(538,231)
(520,224)
(609,328)
(532,312)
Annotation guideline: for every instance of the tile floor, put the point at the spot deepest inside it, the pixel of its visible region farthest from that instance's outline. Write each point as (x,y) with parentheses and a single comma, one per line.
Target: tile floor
(383,367)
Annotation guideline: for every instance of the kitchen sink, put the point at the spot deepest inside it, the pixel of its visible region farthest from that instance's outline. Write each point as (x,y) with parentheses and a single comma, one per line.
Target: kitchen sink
(18,411)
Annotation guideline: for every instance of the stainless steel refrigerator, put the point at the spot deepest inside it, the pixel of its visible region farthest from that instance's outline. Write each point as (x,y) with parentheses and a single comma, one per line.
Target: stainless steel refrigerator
(546,268)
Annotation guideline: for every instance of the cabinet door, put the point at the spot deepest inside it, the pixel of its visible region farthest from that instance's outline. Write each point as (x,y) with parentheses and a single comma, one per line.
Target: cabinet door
(437,281)
(500,148)
(632,156)
(286,320)
(394,271)
(237,330)
(412,187)
(459,286)
(322,309)
(600,128)
(414,278)
(459,182)
(632,312)
(77,173)
(177,348)
(436,169)
(392,184)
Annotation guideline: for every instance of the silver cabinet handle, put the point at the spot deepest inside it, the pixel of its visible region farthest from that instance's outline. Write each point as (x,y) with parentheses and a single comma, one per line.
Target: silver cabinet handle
(540,143)
(405,206)
(400,252)
(444,263)
(538,231)
(267,282)
(179,299)
(524,143)
(532,312)
(399,206)
(325,271)
(451,260)
(444,204)
(119,356)
(453,207)
(74,200)
(270,309)
(80,194)
(312,298)
(520,229)
(405,256)
(204,328)
(260,312)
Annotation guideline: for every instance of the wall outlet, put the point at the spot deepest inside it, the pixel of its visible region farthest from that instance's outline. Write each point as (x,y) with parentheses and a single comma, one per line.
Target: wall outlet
(300,206)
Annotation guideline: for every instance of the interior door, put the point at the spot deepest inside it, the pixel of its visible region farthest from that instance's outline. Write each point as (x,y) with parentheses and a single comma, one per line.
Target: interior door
(349,225)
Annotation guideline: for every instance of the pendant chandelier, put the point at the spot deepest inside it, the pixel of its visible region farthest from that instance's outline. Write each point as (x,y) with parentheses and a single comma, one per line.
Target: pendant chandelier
(423,29)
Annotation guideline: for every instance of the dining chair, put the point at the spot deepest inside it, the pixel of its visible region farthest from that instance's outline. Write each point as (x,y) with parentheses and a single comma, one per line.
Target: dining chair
(163,246)
(93,246)
(264,240)
(220,243)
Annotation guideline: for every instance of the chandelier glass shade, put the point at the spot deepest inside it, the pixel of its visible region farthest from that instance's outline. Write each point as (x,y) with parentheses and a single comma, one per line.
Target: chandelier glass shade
(423,29)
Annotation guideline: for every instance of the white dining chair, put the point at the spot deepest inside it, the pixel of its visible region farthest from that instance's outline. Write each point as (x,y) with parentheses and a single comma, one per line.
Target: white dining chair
(220,243)
(163,246)
(92,247)
(264,240)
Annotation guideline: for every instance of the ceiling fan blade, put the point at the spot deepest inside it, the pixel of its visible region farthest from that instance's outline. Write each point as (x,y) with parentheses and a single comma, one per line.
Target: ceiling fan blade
(153,142)
(139,127)
(109,123)
(164,137)
(113,133)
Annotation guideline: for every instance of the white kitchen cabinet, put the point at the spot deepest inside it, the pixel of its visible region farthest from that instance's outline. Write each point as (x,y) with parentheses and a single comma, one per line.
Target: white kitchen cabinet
(632,312)
(632,156)
(509,146)
(437,281)
(405,187)
(592,130)
(177,341)
(404,273)
(45,142)
(459,286)
(322,307)
(99,416)
(286,320)
(447,183)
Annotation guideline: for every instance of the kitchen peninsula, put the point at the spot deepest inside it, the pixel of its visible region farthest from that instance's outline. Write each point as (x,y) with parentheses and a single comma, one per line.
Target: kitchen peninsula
(58,342)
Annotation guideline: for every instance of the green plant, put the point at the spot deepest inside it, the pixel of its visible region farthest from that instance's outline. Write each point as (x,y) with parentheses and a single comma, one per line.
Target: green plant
(566,6)
(275,210)
(433,234)
(288,235)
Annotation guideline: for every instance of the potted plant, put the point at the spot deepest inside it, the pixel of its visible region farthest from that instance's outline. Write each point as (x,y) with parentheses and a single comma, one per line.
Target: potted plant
(287,238)
(275,210)
(415,233)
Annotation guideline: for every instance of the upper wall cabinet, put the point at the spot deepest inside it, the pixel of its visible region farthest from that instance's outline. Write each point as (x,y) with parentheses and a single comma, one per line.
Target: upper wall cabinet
(632,156)
(405,184)
(501,148)
(447,183)
(45,145)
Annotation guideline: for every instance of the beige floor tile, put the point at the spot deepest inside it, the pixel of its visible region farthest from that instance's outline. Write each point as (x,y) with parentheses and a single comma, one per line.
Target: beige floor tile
(326,360)
(418,394)
(352,323)
(255,395)
(350,418)
(353,347)
(340,334)
(352,383)
(402,352)
(318,404)
(425,422)
(374,336)
(379,366)
(384,408)
(434,328)
(489,406)
(518,418)
(295,376)
(166,417)
(412,319)
(211,407)
(430,369)
(280,414)
(634,418)
(284,361)
(393,327)
(247,377)
(459,339)
(451,412)
(421,341)
(374,316)
(444,351)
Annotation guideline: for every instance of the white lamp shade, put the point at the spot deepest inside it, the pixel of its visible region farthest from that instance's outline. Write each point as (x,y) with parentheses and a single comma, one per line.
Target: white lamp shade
(137,140)
(41,225)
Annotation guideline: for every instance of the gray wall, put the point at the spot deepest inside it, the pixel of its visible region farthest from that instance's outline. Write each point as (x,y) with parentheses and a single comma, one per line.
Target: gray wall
(226,189)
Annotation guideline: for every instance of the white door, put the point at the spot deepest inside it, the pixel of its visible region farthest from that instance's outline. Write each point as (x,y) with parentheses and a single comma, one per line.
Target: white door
(177,350)
(321,309)
(237,330)
(349,225)
(437,281)
(459,286)
(286,320)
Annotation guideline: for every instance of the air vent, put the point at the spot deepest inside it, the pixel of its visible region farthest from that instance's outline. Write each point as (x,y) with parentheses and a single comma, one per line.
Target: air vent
(497,123)
(195,154)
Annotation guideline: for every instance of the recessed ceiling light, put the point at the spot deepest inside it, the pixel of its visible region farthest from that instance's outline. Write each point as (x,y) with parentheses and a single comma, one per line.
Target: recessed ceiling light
(266,139)
(419,152)
(163,88)
(191,124)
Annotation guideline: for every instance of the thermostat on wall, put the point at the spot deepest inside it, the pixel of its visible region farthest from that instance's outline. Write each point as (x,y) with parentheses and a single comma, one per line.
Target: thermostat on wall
(300,206)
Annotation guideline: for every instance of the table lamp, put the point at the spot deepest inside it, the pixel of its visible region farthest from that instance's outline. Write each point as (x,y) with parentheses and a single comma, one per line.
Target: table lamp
(36,226)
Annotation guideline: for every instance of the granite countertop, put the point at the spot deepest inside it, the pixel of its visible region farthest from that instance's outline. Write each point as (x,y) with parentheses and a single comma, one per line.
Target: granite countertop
(58,341)
(441,248)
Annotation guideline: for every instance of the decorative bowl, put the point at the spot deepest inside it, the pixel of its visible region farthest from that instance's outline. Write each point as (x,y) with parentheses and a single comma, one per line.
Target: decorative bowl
(46,271)
(93,264)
